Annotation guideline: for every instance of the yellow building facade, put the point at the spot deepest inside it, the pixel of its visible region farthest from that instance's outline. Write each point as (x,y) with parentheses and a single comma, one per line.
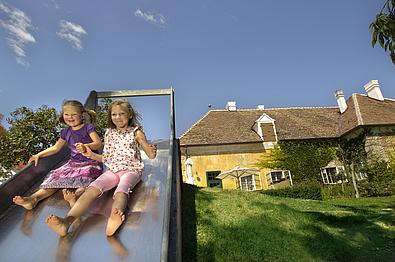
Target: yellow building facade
(210,164)
(202,164)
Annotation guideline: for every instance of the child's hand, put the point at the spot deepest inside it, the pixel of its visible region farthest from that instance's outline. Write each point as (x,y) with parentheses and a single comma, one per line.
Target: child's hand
(153,148)
(84,150)
(81,148)
(34,159)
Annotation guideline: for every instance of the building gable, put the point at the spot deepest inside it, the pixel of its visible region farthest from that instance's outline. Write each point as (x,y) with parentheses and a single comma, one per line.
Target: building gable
(264,126)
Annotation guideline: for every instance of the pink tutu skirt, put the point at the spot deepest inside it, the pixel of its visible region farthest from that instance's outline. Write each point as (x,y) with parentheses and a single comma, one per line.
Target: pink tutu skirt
(73,174)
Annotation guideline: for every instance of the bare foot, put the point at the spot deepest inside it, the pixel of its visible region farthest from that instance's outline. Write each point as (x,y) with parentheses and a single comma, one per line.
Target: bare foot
(114,222)
(69,196)
(57,224)
(26,202)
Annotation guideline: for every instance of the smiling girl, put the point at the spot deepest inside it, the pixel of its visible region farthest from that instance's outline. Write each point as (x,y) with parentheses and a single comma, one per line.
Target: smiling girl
(121,154)
(79,171)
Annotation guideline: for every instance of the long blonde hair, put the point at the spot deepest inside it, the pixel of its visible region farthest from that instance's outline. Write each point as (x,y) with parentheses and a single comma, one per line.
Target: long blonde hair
(135,116)
(88,116)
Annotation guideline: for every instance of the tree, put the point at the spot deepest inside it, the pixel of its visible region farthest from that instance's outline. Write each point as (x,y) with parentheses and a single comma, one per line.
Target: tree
(2,129)
(102,111)
(354,157)
(3,171)
(383,28)
(30,132)
(33,131)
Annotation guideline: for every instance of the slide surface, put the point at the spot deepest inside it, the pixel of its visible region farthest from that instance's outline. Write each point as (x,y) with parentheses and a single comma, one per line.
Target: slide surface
(24,236)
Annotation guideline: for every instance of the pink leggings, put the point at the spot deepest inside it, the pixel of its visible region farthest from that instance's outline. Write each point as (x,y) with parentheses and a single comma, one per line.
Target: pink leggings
(124,180)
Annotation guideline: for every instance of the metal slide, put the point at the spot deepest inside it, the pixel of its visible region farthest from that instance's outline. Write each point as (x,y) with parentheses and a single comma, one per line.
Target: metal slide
(151,232)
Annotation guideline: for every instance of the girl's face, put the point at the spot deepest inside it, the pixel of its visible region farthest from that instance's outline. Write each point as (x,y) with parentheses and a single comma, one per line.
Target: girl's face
(120,117)
(72,116)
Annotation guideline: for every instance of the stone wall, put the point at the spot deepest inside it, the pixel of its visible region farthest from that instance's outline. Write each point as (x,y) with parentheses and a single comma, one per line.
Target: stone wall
(380,143)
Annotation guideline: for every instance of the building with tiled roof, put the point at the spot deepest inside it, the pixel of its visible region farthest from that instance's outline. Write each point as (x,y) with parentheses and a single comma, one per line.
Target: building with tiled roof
(223,139)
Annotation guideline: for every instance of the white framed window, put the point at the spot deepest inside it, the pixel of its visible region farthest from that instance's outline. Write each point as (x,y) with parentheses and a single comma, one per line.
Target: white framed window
(212,180)
(359,174)
(247,183)
(276,176)
(333,175)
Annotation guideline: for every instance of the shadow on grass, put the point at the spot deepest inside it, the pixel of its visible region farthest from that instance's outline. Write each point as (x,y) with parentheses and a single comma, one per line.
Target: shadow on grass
(188,213)
(386,216)
(278,232)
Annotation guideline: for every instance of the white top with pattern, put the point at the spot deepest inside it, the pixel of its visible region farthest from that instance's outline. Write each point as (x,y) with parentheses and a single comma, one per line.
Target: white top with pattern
(121,151)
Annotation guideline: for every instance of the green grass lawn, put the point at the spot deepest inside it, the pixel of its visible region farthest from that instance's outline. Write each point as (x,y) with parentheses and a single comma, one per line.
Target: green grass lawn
(229,225)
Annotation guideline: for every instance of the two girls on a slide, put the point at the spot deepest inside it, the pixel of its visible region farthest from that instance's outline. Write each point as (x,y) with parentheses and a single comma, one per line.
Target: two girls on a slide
(79,171)
(121,155)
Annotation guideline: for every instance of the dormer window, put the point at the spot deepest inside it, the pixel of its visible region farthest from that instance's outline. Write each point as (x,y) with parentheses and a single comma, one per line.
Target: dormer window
(264,126)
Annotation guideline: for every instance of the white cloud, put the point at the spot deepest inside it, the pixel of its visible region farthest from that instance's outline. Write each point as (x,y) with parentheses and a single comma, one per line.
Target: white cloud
(157,19)
(17,25)
(72,33)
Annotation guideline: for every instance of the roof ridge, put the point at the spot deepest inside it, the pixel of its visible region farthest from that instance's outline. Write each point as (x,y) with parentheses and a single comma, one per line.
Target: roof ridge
(357,109)
(385,98)
(189,129)
(277,108)
(301,107)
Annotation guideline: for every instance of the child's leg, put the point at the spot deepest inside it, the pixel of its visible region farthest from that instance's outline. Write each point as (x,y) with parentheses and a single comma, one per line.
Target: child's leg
(128,180)
(31,201)
(105,182)
(61,225)
(117,213)
(84,201)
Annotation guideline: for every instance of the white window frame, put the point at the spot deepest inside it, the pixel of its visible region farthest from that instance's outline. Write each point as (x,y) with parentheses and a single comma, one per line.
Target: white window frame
(284,175)
(246,188)
(209,182)
(327,178)
(360,175)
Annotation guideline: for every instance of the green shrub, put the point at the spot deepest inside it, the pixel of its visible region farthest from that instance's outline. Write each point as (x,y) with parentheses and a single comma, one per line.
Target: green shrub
(308,191)
(381,179)
(376,188)
(336,191)
(304,158)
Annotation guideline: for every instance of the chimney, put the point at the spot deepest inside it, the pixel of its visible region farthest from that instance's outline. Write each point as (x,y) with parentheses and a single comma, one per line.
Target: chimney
(260,107)
(373,90)
(341,101)
(231,106)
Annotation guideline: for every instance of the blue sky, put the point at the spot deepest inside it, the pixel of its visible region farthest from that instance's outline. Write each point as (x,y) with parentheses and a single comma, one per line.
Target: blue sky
(256,52)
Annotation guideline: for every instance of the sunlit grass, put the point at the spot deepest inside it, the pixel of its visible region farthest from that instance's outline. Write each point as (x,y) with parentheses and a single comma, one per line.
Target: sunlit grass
(238,226)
